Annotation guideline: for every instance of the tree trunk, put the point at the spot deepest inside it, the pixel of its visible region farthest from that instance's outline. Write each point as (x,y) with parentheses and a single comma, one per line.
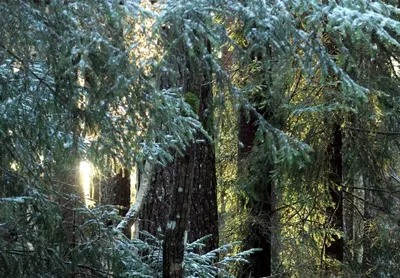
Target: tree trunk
(182,202)
(258,233)
(204,210)
(259,204)
(203,220)
(153,217)
(335,249)
(174,242)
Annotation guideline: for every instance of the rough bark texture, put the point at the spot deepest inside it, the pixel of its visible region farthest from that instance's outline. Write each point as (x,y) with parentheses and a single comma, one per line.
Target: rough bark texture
(157,206)
(204,209)
(258,233)
(182,202)
(203,220)
(174,242)
(335,213)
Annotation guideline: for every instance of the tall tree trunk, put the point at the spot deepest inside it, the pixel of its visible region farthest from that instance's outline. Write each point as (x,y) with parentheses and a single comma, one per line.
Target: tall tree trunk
(153,217)
(204,209)
(335,248)
(196,80)
(259,205)
(71,196)
(174,242)
(258,233)
(182,202)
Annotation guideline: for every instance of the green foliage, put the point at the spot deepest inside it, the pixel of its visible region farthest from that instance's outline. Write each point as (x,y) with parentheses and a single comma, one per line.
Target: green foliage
(102,81)
(193,101)
(305,67)
(196,263)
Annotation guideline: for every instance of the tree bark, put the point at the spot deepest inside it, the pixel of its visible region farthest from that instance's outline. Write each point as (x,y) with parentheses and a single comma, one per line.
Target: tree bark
(335,248)
(196,79)
(153,217)
(182,202)
(204,209)
(174,242)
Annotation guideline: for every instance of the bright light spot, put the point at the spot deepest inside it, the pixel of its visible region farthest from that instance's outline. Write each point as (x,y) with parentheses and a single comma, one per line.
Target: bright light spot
(133,231)
(85,176)
(81,79)
(14,166)
(396,66)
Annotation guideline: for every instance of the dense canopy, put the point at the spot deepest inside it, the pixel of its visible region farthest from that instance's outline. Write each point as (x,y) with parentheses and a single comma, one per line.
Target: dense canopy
(201,138)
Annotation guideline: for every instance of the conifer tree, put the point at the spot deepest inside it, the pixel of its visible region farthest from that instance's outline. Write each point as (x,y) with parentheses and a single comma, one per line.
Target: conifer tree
(115,83)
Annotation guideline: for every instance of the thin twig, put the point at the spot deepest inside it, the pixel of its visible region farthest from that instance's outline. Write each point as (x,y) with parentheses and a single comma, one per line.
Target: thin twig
(388,133)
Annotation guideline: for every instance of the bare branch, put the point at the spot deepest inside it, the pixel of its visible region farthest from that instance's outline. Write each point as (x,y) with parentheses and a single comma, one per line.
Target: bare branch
(133,213)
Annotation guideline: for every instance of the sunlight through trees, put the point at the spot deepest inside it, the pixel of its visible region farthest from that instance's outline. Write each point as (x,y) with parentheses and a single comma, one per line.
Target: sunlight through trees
(202,138)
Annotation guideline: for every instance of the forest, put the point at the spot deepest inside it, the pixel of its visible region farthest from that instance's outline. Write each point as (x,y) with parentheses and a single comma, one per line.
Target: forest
(200,138)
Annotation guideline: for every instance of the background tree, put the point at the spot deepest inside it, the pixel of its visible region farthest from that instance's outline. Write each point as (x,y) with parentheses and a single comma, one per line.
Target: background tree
(118,83)
(189,58)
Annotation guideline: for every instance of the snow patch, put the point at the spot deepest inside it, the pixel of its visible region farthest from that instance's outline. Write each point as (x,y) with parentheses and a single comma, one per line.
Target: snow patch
(171,225)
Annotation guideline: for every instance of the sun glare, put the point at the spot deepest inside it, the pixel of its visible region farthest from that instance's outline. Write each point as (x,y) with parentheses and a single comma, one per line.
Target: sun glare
(85,175)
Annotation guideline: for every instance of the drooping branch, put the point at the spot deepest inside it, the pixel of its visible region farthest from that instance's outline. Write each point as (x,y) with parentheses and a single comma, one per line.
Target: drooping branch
(41,80)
